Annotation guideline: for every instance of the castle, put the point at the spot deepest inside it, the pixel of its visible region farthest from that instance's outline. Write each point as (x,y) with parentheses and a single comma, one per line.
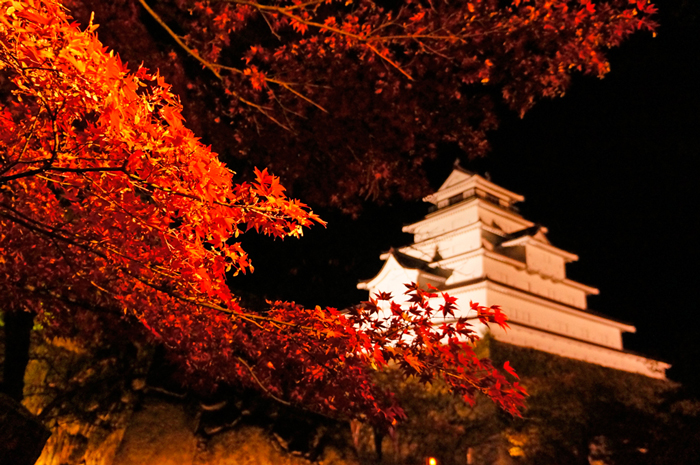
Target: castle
(475,245)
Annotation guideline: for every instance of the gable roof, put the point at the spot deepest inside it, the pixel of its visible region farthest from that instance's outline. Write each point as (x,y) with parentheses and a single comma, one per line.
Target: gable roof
(413,263)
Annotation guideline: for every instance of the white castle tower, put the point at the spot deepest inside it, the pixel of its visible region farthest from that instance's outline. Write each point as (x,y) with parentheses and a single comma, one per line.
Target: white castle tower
(475,245)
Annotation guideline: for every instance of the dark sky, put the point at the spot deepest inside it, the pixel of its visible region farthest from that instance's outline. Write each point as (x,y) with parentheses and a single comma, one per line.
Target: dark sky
(608,169)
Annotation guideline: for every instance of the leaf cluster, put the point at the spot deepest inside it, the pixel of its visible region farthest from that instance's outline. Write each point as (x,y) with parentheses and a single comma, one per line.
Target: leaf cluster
(116,222)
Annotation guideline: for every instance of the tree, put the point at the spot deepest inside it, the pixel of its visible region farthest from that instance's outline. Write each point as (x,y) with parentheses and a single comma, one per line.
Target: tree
(347,100)
(118,223)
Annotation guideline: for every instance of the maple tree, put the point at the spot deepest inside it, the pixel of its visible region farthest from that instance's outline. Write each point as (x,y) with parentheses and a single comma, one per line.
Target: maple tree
(347,100)
(116,222)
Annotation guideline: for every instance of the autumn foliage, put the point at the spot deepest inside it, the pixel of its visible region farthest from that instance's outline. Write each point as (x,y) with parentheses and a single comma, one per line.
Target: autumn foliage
(113,215)
(347,100)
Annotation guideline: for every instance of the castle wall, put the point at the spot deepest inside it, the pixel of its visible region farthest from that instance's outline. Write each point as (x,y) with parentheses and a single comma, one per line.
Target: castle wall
(530,281)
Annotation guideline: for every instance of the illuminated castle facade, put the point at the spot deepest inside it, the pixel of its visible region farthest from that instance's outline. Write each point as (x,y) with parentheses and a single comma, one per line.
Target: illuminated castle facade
(475,245)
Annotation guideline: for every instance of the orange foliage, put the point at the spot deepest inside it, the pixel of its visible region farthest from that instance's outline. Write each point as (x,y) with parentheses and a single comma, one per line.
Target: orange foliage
(111,210)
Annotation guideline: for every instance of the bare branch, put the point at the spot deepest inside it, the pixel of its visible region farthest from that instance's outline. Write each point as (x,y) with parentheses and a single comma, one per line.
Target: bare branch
(262,386)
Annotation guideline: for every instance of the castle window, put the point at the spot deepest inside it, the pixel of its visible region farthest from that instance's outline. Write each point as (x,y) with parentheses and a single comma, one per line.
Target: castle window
(455,198)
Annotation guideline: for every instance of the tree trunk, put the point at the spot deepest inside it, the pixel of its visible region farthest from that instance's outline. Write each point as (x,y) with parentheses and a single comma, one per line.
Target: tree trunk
(378,438)
(18,328)
(22,435)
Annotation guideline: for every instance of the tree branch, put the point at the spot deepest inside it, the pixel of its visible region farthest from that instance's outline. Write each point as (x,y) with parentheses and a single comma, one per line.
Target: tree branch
(262,386)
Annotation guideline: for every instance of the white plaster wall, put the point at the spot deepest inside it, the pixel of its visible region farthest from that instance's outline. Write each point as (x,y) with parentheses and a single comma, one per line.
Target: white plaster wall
(554,319)
(447,220)
(394,283)
(545,262)
(465,239)
(391,278)
(476,293)
(465,267)
(533,282)
(464,215)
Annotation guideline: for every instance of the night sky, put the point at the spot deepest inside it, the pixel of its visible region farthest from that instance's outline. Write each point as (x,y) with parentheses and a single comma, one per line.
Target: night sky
(608,169)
